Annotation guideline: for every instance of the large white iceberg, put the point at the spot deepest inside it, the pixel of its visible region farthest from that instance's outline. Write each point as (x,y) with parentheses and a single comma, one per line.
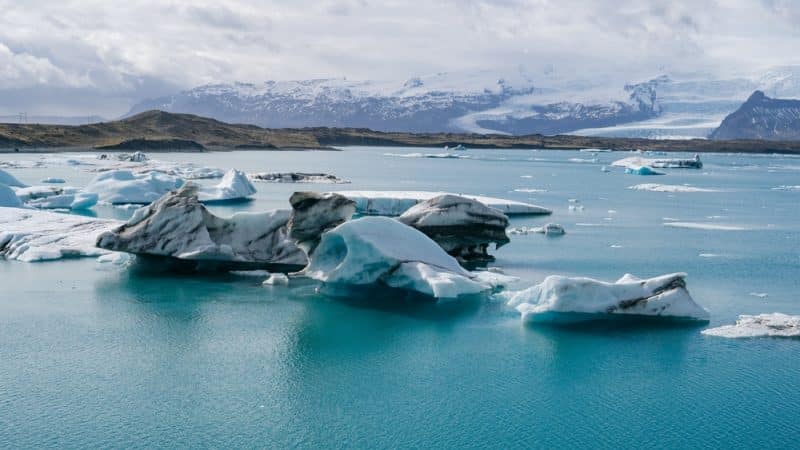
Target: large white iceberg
(30,235)
(123,186)
(761,325)
(8,197)
(9,180)
(380,250)
(178,226)
(395,203)
(56,197)
(560,298)
(234,186)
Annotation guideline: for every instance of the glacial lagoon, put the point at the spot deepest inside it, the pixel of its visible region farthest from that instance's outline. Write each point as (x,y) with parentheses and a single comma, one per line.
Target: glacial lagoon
(95,355)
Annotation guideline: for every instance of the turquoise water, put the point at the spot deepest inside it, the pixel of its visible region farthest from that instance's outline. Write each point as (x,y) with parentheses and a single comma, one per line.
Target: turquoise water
(99,357)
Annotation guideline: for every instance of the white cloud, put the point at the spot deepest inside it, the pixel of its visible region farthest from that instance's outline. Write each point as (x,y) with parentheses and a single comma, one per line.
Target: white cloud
(112,46)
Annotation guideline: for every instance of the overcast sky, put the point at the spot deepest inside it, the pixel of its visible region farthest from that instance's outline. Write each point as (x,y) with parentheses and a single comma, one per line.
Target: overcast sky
(97,56)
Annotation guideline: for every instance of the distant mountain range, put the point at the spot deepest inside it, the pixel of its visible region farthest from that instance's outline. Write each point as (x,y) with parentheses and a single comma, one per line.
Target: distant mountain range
(761,117)
(163,131)
(679,106)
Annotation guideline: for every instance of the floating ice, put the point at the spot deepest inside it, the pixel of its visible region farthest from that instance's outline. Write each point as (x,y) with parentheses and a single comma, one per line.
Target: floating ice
(786,188)
(8,197)
(234,186)
(395,203)
(660,163)
(277,279)
(9,180)
(53,180)
(380,250)
(642,170)
(761,325)
(428,155)
(179,226)
(30,235)
(463,227)
(298,177)
(123,186)
(133,157)
(549,229)
(115,258)
(560,298)
(654,187)
(759,294)
(530,190)
(705,226)
(74,201)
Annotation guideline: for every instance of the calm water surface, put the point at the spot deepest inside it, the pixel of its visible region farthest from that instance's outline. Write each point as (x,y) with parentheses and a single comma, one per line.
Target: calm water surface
(99,357)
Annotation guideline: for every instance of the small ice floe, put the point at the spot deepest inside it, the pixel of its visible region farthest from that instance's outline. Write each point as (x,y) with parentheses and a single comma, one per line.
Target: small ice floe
(642,170)
(705,226)
(383,251)
(530,190)
(234,186)
(761,325)
(72,201)
(709,255)
(759,294)
(654,187)
(604,169)
(566,299)
(395,203)
(612,211)
(616,246)
(550,229)
(660,163)
(583,160)
(115,259)
(576,207)
(138,157)
(786,188)
(8,197)
(53,180)
(428,155)
(9,180)
(123,186)
(249,273)
(277,279)
(526,176)
(297,177)
(29,235)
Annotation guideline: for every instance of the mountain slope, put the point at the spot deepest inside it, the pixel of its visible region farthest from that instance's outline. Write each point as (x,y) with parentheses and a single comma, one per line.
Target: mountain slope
(762,117)
(436,103)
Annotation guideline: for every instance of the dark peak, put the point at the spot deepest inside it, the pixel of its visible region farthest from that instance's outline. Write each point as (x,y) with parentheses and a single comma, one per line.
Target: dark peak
(756,96)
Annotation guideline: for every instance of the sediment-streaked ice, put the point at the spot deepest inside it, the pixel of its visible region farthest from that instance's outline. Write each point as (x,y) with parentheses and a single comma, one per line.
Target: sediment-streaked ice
(761,325)
(395,203)
(560,298)
(705,226)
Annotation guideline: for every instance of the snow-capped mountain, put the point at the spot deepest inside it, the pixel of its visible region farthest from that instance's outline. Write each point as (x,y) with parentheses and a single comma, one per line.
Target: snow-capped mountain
(762,117)
(486,102)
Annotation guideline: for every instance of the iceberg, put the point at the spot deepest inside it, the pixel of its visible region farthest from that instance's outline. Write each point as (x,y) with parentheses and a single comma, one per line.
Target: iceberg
(383,251)
(178,226)
(395,203)
(73,201)
(276,279)
(761,325)
(8,197)
(654,187)
(54,180)
(549,229)
(297,177)
(314,213)
(642,170)
(9,180)
(463,227)
(133,157)
(33,193)
(30,235)
(125,187)
(660,163)
(234,186)
(560,298)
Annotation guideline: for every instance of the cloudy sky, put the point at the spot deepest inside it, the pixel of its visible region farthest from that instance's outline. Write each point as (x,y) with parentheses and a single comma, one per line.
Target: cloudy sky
(80,57)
